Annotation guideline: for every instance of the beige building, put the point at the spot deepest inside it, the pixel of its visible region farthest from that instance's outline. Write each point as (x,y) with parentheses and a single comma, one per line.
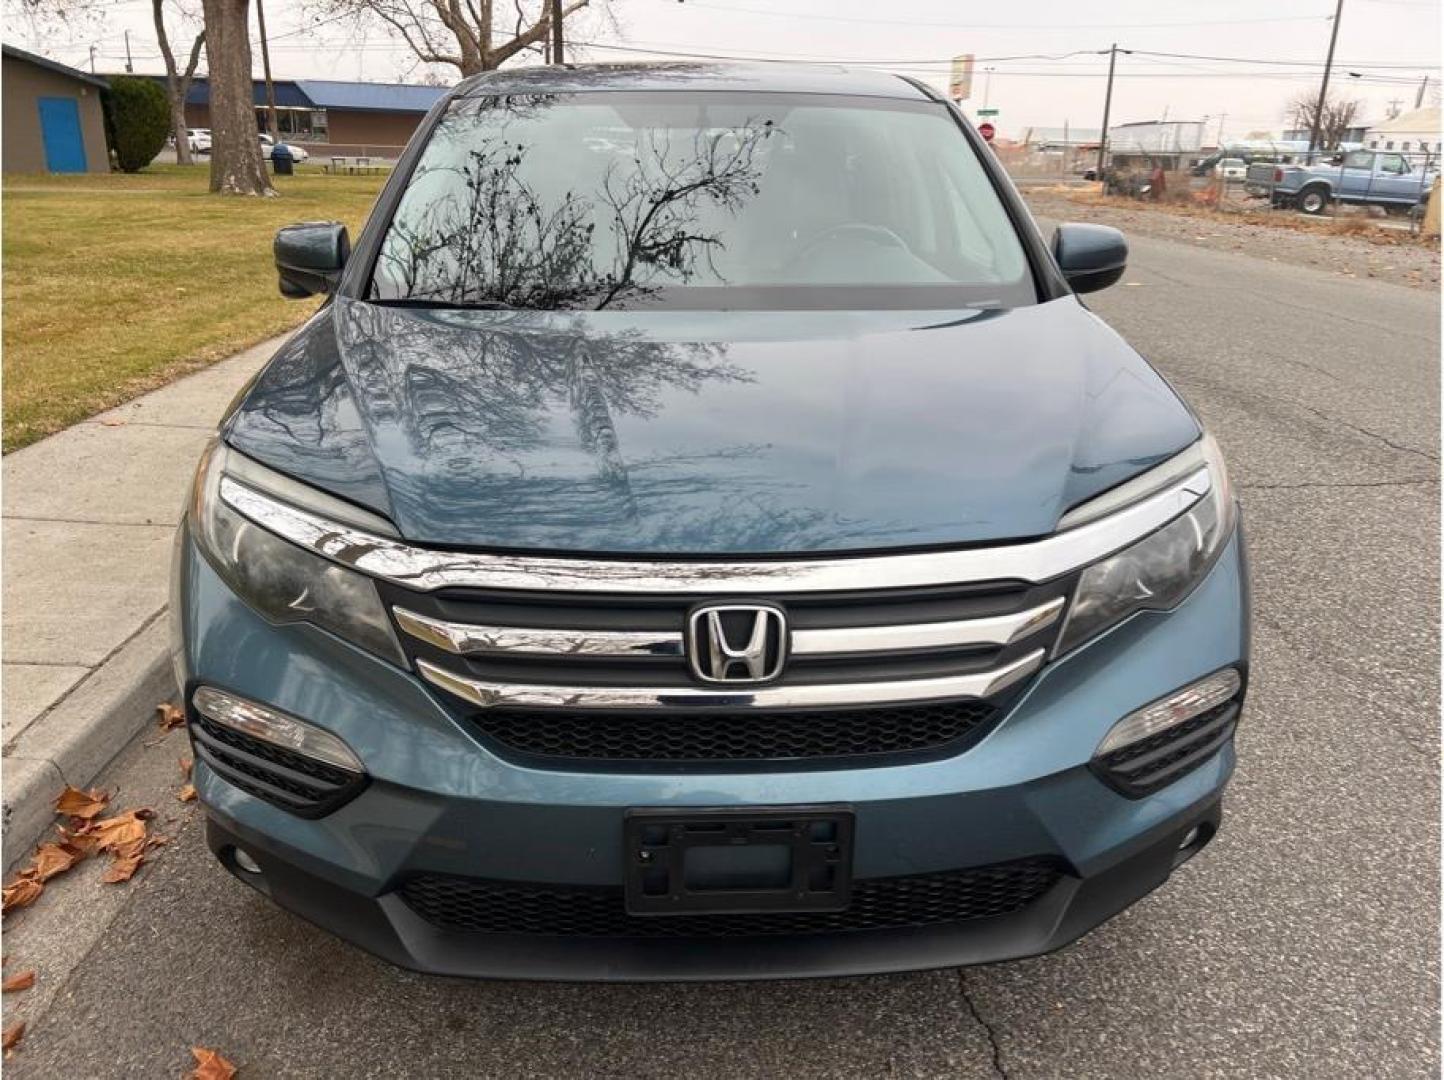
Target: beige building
(1415,131)
(52,116)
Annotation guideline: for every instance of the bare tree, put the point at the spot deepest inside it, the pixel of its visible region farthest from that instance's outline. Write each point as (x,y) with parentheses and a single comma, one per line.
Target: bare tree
(469,35)
(236,164)
(1338,116)
(177,83)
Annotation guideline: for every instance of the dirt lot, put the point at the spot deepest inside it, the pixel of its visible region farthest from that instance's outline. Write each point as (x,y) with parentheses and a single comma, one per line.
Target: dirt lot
(1282,237)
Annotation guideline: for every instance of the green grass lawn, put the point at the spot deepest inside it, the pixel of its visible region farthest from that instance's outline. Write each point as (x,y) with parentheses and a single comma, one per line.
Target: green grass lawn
(116,284)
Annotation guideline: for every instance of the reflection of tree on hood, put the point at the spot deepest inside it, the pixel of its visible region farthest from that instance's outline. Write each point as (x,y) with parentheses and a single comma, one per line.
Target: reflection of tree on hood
(495,378)
(495,239)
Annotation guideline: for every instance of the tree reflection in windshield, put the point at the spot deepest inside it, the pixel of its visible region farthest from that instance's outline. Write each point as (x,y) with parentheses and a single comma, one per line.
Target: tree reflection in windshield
(482,222)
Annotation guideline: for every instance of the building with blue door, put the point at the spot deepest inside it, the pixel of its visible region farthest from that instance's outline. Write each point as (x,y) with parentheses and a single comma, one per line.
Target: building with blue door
(52,120)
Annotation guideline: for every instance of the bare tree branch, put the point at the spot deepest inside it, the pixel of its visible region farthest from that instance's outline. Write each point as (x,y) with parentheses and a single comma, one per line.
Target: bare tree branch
(460,33)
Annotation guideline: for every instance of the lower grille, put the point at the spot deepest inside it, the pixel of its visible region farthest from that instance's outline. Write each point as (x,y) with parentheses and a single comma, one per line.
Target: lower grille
(295,783)
(1151,764)
(488,907)
(715,738)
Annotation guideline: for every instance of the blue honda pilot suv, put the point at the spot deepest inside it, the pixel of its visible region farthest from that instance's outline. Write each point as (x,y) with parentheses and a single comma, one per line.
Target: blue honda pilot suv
(702,535)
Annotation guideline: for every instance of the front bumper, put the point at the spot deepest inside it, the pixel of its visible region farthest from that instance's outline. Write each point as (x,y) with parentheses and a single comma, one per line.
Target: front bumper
(439,803)
(387,927)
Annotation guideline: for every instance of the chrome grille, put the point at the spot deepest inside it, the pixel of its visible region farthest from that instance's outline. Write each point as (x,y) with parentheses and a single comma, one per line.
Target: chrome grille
(581,676)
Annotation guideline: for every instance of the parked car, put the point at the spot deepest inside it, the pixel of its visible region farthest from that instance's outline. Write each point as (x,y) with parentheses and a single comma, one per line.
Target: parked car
(744,557)
(1230,169)
(1364,177)
(200,140)
(268,146)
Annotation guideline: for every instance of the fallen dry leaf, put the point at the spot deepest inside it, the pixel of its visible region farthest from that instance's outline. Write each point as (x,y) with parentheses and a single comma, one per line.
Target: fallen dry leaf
(126,857)
(113,423)
(113,832)
(82,842)
(12,1035)
(51,859)
(21,980)
(22,892)
(210,1065)
(81,804)
(185,764)
(187,793)
(121,869)
(169,717)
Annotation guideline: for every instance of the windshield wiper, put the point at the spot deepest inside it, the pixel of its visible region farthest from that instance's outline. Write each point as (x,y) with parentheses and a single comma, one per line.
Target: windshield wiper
(446,305)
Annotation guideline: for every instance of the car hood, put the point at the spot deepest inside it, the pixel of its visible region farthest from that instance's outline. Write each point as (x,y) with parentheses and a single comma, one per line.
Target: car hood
(709,433)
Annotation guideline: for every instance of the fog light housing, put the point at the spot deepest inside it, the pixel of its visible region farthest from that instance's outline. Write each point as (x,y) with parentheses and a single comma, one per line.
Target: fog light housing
(275,727)
(1178,708)
(244,861)
(1162,742)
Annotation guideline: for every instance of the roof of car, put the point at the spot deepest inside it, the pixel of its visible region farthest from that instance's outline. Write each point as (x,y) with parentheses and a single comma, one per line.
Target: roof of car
(709,76)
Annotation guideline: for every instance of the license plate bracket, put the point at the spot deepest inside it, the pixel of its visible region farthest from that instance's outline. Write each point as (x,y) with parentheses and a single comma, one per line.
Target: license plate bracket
(737,859)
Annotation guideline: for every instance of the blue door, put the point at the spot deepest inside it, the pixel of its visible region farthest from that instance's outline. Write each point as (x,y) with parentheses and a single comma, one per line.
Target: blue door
(60,130)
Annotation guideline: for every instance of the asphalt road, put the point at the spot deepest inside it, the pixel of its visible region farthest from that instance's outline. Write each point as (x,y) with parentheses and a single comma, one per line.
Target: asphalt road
(1304,942)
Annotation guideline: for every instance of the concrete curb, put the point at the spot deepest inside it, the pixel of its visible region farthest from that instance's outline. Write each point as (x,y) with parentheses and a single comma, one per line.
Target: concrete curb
(79,735)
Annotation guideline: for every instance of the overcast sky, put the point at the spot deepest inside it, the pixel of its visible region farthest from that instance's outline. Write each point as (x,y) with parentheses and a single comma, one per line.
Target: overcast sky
(1391,44)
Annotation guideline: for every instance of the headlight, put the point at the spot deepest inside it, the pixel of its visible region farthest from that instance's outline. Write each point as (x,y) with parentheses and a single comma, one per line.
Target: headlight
(1157,572)
(282,582)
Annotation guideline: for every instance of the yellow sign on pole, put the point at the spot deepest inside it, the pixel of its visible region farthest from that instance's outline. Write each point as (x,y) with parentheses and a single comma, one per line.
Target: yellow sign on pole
(1431,212)
(960,85)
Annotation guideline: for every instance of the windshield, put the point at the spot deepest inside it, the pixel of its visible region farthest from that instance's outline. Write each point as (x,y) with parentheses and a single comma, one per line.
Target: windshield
(700,200)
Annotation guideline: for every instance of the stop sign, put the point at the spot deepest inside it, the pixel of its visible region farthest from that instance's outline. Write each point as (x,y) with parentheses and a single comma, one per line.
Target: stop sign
(986,129)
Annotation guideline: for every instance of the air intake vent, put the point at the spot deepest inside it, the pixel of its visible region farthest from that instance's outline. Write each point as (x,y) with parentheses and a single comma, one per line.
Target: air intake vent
(1151,764)
(491,907)
(301,785)
(741,737)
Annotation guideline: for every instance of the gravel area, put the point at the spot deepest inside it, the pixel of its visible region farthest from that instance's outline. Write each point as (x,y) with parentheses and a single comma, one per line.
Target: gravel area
(1392,256)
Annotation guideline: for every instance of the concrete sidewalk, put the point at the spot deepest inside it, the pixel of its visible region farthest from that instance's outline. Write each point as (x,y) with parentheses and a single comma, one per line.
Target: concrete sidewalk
(89,515)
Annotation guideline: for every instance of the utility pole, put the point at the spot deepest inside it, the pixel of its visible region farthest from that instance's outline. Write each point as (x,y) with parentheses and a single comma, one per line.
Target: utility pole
(271,126)
(1419,97)
(1218,143)
(130,68)
(1324,86)
(92,59)
(1113,51)
(988,84)
(557,55)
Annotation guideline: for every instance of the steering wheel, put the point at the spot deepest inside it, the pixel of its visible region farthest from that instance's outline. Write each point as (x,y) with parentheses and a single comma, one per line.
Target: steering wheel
(878,234)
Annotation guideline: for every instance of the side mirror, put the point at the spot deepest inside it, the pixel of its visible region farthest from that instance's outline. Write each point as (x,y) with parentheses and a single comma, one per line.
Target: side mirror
(309,257)
(1092,257)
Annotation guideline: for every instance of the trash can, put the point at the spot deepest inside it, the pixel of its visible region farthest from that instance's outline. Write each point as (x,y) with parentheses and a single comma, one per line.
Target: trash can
(281,160)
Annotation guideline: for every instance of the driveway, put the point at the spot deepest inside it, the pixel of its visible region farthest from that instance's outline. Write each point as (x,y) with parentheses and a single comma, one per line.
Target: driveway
(1303,942)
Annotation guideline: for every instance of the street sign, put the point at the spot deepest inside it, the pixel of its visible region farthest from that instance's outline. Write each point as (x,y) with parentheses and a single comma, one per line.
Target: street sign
(987,112)
(960,84)
(986,130)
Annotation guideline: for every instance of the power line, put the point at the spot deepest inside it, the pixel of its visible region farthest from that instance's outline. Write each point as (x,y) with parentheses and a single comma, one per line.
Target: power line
(893,21)
(919,66)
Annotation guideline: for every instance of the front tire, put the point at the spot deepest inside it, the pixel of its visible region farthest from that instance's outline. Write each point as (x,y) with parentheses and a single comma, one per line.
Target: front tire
(1313,200)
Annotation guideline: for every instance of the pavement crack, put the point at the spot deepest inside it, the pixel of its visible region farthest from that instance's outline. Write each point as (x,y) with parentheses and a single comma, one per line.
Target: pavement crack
(1371,434)
(987,1027)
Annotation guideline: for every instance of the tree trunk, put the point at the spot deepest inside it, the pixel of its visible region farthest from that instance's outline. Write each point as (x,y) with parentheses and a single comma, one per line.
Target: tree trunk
(178,128)
(177,86)
(236,164)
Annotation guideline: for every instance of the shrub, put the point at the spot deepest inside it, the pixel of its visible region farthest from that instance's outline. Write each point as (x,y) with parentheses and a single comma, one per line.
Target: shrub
(139,121)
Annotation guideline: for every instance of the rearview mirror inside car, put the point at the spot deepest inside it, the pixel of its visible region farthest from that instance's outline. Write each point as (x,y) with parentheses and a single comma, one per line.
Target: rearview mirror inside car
(309,257)
(1092,257)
